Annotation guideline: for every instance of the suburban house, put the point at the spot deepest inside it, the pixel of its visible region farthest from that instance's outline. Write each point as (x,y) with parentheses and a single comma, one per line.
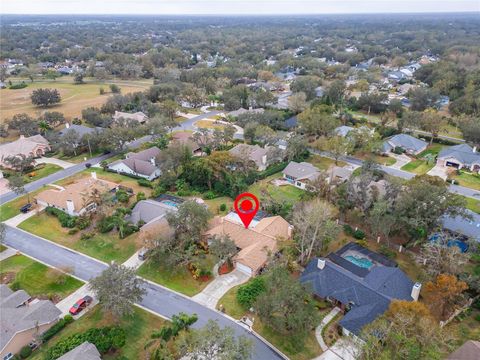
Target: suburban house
(22,319)
(255,243)
(343,130)
(410,144)
(361,282)
(301,175)
(468,351)
(34,146)
(185,138)
(80,130)
(139,116)
(460,157)
(338,174)
(142,164)
(262,157)
(463,226)
(84,351)
(152,214)
(242,111)
(77,198)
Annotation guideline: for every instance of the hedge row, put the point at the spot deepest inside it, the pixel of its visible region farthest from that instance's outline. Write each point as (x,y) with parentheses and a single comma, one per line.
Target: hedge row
(105,339)
(47,335)
(66,220)
(248,293)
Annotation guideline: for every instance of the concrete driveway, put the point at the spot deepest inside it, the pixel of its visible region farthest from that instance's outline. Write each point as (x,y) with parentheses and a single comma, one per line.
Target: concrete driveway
(341,350)
(439,171)
(401,160)
(58,162)
(218,287)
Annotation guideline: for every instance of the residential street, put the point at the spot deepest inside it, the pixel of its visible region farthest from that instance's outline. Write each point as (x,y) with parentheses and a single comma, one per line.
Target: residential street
(158,299)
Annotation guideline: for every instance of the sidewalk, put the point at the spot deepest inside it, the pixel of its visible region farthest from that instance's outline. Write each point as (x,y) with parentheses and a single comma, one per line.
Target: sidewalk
(218,287)
(134,261)
(9,252)
(319,329)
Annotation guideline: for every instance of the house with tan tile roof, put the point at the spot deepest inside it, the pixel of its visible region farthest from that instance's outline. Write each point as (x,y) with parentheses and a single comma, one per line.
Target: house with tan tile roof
(77,198)
(262,157)
(256,243)
(139,116)
(34,146)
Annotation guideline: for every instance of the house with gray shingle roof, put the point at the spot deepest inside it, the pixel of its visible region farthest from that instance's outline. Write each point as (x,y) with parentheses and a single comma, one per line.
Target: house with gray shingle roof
(22,319)
(409,143)
(84,351)
(460,157)
(362,283)
(142,164)
(469,227)
(301,174)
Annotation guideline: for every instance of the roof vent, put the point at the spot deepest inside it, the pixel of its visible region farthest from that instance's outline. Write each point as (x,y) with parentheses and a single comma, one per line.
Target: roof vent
(321,264)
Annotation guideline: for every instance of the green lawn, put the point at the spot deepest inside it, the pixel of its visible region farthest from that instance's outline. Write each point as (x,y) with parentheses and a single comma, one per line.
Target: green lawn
(2,248)
(432,149)
(468,180)
(105,247)
(214,205)
(323,163)
(12,208)
(286,344)
(379,159)
(285,193)
(418,167)
(179,280)
(473,205)
(41,171)
(37,279)
(139,327)
(80,157)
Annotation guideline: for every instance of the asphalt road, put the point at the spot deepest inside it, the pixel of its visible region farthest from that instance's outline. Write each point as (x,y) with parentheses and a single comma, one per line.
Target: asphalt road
(157,298)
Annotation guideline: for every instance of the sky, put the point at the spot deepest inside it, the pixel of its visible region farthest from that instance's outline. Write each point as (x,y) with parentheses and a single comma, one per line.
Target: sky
(234,7)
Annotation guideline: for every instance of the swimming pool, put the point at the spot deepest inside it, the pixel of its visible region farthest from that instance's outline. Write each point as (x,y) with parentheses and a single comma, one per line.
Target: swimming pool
(170,203)
(360,261)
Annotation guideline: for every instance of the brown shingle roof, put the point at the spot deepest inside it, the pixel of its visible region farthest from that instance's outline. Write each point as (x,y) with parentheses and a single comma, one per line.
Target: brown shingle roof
(255,243)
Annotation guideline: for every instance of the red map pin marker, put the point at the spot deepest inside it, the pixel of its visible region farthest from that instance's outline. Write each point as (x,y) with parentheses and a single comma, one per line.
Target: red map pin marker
(244,206)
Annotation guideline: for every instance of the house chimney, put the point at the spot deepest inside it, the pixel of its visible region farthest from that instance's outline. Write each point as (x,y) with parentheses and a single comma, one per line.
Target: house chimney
(67,125)
(264,159)
(152,160)
(94,175)
(290,231)
(70,207)
(416,291)
(321,264)
(474,149)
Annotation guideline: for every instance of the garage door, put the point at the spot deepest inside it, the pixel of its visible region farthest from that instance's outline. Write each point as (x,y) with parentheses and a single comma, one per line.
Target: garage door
(245,269)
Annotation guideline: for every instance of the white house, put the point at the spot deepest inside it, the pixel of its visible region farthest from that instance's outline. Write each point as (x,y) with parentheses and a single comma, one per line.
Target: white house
(142,164)
(301,174)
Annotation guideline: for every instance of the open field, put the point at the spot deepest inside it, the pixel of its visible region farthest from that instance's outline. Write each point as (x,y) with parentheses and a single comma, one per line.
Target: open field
(139,327)
(75,98)
(37,279)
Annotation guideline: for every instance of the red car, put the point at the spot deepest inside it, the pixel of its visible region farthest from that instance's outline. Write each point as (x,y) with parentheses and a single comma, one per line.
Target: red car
(80,305)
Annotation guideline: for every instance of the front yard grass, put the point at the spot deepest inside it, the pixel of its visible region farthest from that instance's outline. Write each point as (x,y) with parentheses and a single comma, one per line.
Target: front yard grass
(78,158)
(12,208)
(207,124)
(379,159)
(287,345)
(41,172)
(2,248)
(469,180)
(323,163)
(180,280)
(418,167)
(105,247)
(139,327)
(36,279)
(473,204)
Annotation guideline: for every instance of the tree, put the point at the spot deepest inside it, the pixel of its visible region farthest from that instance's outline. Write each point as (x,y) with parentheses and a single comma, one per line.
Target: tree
(45,97)
(297,102)
(213,342)
(118,288)
(315,228)
(249,131)
(318,121)
(174,158)
(53,118)
(296,148)
(24,124)
(440,258)
(306,85)
(222,247)
(190,221)
(265,135)
(78,78)
(193,95)
(381,219)
(263,97)
(338,146)
(336,92)
(169,108)
(405,331)
(470,127)
(431,122)
(115,89)
(422,98)
(20,162)
(286,306)
(16,183)
(443,295)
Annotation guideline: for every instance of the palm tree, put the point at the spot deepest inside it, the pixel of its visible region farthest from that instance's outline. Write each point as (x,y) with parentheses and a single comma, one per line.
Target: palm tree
(43,127)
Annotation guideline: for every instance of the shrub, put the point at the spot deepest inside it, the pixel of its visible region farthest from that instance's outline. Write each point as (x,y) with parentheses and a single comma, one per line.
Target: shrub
(359,234)
(385,250)
(72,231)
(476,304)
(477,317)
(141,196)
(122,196)
(145,183)
(47,335)
(223,207)
(82,222)
(272,169)
(101,91)
(398,150)
(248,293)
(348,229)
(87,236)
(25,352)
(21,85)
(209,195)
(65,220)
(105,339)
(105,224)
(114,89)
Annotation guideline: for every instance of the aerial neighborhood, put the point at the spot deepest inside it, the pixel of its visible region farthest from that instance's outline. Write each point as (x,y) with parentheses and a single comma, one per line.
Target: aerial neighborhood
(125,151)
